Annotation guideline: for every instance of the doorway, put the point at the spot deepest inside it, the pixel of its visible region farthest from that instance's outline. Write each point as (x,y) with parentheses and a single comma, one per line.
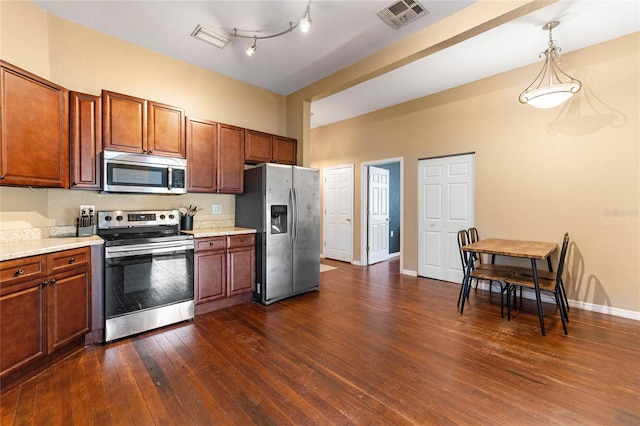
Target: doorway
(395,168)
(446,205)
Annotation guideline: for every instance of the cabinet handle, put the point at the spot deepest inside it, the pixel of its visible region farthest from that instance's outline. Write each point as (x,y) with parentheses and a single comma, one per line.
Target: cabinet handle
(150,151)
(45,282)
(73,259)
(242,240)
(19,272)
(53,281)
(1,177)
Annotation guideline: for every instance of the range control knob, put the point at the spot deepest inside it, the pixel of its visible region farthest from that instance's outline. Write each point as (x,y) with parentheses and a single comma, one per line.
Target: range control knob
(171,216)
(119,218)
(163,217)
(108,218)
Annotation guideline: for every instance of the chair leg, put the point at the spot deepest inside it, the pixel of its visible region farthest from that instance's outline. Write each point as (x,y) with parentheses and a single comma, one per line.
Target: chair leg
(509,301)
(561,310)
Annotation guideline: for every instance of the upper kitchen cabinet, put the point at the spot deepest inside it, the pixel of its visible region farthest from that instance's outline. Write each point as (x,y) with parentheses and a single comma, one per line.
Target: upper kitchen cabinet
(85,123)
(215,157)
(34,132)
(265,148)
(230,159)
(284,150)
(257,147)
(202,143)
(136,125)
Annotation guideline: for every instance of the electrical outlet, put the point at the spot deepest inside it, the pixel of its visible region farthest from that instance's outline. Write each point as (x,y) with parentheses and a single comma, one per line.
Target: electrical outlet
(216,209)
(86,210)
(391,233)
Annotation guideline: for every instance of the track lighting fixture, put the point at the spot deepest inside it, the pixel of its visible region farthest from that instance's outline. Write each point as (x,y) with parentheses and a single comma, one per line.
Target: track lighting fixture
(552,86)
(304,23)
(252,49)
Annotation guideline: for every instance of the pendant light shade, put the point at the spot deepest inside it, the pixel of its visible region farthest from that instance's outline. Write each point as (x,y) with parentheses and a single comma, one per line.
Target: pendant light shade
(552,86)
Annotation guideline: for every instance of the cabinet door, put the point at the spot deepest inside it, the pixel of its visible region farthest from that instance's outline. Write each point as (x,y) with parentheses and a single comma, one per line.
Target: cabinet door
(34,130)
(241,264)
(68,307)
(257,147)
(85,122)
(22,328)
(210,276)
(284,150)
(165,134)
(230,159)
(202,140)
(124,122)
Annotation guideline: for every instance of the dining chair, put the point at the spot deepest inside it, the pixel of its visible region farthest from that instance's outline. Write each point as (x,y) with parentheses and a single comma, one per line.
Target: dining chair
(522,279)
(495,274)
(463,240)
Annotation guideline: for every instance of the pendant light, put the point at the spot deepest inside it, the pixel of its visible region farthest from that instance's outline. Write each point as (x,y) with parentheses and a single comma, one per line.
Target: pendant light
(552,86)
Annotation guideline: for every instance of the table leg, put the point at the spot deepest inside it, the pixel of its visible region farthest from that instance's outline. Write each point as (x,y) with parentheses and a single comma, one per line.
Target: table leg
(537,290)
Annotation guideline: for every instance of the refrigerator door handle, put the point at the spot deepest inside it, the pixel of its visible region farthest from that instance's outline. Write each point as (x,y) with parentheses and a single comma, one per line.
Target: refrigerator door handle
(291,215)
(295,214)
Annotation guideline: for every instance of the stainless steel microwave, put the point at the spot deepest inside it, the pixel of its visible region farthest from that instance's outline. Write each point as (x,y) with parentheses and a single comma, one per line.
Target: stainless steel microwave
(140,173)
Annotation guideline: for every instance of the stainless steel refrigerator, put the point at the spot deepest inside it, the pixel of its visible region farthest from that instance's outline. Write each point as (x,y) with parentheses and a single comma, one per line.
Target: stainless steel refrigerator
(283,204)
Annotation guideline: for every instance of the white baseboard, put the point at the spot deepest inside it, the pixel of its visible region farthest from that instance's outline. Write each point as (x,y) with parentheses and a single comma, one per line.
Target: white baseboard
(586,306)
(409,272)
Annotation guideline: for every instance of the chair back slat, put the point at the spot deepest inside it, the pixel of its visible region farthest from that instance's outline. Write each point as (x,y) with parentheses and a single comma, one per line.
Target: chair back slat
(463,240)
(563,254)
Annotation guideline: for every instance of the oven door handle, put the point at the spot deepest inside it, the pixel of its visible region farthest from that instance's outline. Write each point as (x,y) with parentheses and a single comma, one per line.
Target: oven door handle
(142,249)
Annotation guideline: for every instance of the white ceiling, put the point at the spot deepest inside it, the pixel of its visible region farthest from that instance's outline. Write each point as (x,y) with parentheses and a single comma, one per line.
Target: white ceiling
(343,32)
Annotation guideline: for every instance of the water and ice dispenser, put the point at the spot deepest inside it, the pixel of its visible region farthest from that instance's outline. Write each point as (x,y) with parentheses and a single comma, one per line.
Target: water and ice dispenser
(279,219)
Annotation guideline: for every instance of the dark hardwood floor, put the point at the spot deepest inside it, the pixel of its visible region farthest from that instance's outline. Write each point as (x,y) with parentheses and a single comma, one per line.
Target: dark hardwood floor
(371,347)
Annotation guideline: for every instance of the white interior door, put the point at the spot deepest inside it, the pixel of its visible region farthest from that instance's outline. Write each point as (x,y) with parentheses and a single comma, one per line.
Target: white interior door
(338,213)
(378,217)
(446,205)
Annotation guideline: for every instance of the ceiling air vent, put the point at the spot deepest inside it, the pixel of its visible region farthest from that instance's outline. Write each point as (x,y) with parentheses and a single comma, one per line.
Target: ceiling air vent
(401,12)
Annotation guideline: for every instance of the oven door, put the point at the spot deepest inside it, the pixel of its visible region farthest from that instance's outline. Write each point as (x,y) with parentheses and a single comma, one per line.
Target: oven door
(147,286)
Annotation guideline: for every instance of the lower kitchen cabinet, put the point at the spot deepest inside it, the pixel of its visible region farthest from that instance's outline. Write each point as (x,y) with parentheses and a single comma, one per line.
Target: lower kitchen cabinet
(45,306)
(224,271)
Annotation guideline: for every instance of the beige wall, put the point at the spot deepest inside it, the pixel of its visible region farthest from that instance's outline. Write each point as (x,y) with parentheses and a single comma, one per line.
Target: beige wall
(539,173)
(85,60)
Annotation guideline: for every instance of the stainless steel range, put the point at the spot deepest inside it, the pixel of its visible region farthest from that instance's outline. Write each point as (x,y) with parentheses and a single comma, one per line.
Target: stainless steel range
(148,271)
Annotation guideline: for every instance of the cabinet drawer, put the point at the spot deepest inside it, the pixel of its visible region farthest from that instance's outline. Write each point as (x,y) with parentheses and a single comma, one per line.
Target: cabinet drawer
(69,259)
(19,270)
(214,243)
(244,240)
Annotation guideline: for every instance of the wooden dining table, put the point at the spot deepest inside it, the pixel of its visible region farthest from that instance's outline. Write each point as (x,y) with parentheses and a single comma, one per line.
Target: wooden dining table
(533,250)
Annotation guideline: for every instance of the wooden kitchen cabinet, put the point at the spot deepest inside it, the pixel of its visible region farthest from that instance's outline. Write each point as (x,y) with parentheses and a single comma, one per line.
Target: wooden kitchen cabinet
(136,125)
(34,130)
(230,159)
(257,147)
(224,271)
(266,148)
(210,269)
(215,154)
(284,150)
(85,128)
(202,143)
(45,305)
(241,263)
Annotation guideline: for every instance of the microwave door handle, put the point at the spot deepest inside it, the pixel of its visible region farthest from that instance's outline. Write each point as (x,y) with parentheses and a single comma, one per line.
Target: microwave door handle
(170,178)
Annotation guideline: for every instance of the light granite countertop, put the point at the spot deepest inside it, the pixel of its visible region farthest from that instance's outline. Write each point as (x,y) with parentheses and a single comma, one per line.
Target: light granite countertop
(32,247)
(220,232)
